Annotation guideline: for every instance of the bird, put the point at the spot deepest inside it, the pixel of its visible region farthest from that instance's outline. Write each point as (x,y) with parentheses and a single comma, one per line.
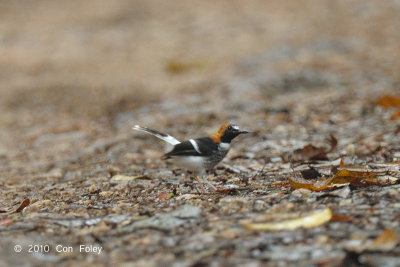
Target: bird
(199,154)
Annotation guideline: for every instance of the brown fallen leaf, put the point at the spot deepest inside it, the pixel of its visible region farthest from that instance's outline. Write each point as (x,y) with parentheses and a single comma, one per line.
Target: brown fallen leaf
(342,178)
(362,178)
(227,191)
(23,205)
(281,184)
(397,131)
(395,115)
(6,222)
(165,196)
(310,152)
(312,220)
(307,152)
(386,241)
(316,186)
(341,218)
(388,101)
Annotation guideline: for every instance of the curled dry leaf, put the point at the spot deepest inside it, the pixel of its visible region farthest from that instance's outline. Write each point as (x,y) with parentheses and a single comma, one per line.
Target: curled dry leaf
(345,177)
(23,205)
(312,220)
(120,177)
(386,241)
(307,152)
(310,152)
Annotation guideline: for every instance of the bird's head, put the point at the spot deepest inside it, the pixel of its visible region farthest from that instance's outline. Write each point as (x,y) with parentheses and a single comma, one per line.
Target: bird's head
(227,133)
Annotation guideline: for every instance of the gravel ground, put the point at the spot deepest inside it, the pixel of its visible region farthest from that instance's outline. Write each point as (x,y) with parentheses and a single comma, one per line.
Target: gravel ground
(314,184)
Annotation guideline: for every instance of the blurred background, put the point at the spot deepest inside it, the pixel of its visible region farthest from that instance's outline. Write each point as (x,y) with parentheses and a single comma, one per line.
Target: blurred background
(63,64)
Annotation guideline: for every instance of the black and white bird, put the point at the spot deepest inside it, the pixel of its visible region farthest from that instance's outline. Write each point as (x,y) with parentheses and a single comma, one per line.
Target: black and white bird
(198,154)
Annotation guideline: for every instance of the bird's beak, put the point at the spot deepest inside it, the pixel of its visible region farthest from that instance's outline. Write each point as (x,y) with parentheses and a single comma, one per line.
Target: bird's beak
(243,132)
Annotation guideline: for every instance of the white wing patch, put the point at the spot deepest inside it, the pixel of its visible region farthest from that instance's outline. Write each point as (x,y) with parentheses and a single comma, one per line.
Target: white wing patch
(195,145)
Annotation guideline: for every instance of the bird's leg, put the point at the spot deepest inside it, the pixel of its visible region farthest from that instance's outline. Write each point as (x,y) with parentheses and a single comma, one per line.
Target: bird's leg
(203,191)
(204,178)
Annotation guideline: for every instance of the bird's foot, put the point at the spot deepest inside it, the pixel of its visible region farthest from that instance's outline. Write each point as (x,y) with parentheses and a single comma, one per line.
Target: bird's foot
(204,180)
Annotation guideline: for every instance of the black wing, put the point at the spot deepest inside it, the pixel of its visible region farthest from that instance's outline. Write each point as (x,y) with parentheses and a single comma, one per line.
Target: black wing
(205,145)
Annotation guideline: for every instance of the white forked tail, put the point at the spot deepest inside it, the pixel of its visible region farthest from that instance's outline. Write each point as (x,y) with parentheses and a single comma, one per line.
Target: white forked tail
(165,137)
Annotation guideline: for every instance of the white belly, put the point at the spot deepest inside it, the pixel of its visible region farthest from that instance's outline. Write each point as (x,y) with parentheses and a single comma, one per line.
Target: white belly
(191,163)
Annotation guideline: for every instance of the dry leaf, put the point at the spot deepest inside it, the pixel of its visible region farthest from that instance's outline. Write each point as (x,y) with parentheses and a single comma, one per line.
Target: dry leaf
(317,186)
(6,222)
(389,101)
(20,207)
(307,152)
(341,218)
(227,191)
(342,178)
(314,153)
(395,115)
(23,205)
(361,178)
(386,241)
(165,196)
(313,220)
(281,184)
(120,177)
